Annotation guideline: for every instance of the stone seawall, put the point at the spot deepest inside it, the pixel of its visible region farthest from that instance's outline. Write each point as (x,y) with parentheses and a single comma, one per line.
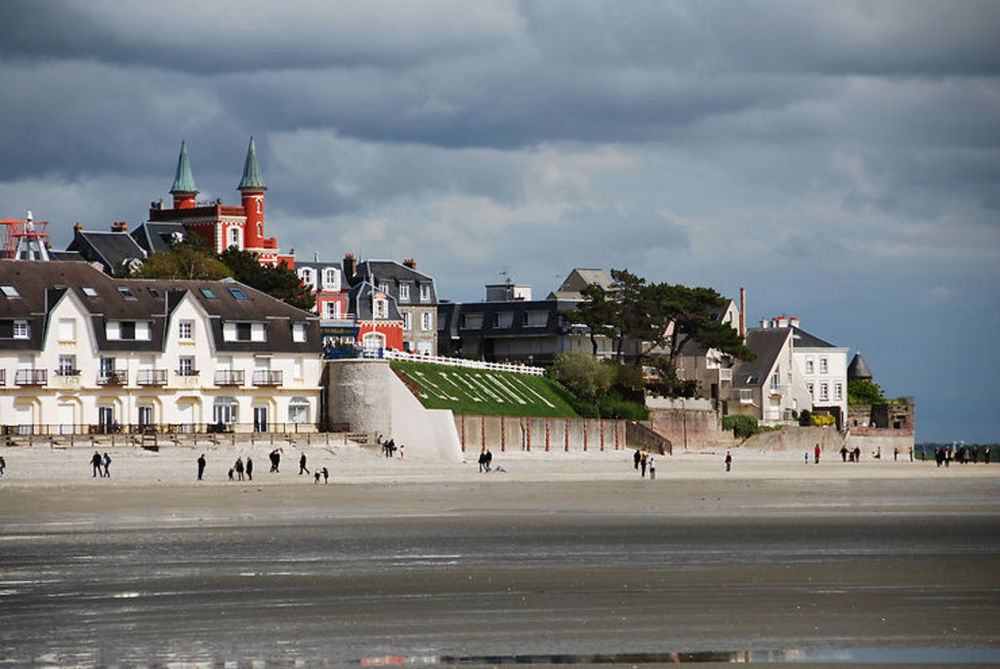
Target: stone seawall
(503,433)
(690,429)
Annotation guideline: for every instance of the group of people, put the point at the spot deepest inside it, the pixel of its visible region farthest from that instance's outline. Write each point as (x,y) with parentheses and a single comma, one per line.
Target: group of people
(243,471)
(643,460)
(485,461)
(943,455)
(848,455)
(389,447)
(238,468)
(101,465)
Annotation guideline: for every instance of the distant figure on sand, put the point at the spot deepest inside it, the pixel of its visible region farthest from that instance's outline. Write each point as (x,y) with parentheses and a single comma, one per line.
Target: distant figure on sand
(249,469)
(843,453)
(3,465)
(652,468)
(107,464)
(316,477)
(239,468)
(302,464)
(326,475)
(201,466)
(96,463)
(816,452)
(729,461)
(275,457)
(636,458)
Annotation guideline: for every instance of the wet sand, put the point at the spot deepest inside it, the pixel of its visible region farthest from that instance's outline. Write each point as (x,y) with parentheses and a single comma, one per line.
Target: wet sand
(546,564)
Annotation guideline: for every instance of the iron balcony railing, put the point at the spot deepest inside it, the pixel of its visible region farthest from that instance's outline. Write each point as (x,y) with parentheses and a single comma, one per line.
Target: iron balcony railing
(31,377)
(229,377)
(151,377)
(267,377)
(112,378)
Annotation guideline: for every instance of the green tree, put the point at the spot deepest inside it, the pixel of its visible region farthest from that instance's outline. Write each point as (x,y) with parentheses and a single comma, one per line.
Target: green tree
(583,375)
(279,282)
(183,261)
(690,310)
(863,391)
(598,313)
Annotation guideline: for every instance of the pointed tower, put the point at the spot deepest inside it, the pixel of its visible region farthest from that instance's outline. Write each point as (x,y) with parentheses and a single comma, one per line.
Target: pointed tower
(183,189)
(252,188)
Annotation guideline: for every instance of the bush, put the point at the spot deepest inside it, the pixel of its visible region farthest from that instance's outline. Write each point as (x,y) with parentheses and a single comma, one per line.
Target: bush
(823,419)
(742,426)
(805,418)
(584,375)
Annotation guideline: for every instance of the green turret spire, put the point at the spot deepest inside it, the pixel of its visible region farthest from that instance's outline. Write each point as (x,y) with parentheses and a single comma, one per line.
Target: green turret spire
(183,181)
(252,179)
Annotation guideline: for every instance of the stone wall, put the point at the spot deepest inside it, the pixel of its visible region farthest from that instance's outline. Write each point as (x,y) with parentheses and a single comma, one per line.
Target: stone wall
(503,433)
(689,429)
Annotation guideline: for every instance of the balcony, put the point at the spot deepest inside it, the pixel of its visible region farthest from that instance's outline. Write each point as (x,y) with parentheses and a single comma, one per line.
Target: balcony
(187,371)
(267,377)
(3,377)
(152,377)
(112,378)
(31,377)
(229,377)
(67,371)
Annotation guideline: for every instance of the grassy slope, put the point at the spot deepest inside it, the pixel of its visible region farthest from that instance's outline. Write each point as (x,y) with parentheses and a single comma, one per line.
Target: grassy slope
(474,391)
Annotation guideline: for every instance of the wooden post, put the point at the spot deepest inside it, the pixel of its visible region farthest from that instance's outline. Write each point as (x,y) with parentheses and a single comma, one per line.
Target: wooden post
(463,433)
(548,426)
(482,432)
(600,426)
(584,435)
(566,434)
(503,435)
(527,433)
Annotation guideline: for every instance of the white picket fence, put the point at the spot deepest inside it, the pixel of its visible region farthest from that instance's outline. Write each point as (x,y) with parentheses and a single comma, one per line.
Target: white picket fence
(461,362)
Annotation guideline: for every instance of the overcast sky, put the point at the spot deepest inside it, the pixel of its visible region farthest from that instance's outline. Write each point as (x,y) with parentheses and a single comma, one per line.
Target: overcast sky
(838,159)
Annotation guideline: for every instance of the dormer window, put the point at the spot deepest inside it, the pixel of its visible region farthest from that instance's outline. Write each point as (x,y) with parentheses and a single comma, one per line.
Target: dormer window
(425,292)
(125,292)
(383,286)
(306,275)
(89,292)
(10,291)
(330,279)
(381,307)
(404,292)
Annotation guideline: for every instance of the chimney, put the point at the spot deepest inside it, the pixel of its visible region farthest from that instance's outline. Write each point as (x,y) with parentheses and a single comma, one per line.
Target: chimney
(349,265)
(119,226)
(782,321)
(743,314)
(794,322)
(77,229)
(411,263)
(764,323)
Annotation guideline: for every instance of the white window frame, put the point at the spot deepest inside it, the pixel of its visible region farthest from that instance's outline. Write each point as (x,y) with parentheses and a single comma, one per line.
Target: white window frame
(299,333)
(380,308)
(22,330)
(404,292)
(824,392)
(838,392)
(330,279)
(426,323)
(225,410)
(809,366)
(824,366)
(234,237)
(67,329)
(811,389)
(185,330)
(185,365)
(298,410)
(407,320)
(425,292)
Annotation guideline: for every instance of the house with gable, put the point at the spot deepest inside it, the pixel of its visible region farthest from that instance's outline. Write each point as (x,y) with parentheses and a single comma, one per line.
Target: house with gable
(770,387)
(395,304)
(82,352)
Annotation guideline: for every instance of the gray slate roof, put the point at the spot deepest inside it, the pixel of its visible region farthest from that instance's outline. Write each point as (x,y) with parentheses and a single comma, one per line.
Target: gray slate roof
(767,344)
(805,340)
(858,369)
(395,274)
(155,237)
(112,249)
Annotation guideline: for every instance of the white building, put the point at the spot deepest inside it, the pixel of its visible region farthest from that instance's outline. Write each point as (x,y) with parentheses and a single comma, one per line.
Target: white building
(82,352)
(823,368)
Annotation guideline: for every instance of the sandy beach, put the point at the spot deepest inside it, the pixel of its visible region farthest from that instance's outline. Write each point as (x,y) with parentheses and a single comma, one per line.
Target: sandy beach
(561,557)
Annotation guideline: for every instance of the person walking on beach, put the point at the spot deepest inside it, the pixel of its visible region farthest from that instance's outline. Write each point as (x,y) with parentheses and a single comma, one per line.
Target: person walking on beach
(729,461)
(3,465)
(302,464)
(326,475)
(96,463)
(249,469)
(275,459)
(652,468)
(843,453)
(107,463)
(857,454)
(816,452)
(201,466)
(643,461)
(482,461)
(986,455)
(636,458)
(239,469)
(489,460)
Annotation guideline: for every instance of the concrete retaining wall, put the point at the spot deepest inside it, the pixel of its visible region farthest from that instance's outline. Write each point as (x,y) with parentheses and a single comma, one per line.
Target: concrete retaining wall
(690,428)
(501,433)
(870,439)
(367,396)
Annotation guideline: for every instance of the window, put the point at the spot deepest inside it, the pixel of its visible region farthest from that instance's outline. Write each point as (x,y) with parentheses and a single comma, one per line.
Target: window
(503,319)
(381,309)
(330,279)
(824,392)
(208,293)
(426,322)
(809,365)
(776,379)
(297,368)
(145,415)
(225,410)
(67,366)
(126,330)
(235,237)
(107,366)
(10,291)
(306,275)
(22,330)
(407,321)
(243,331)
(535,319)
(299,332)
(260,210)
(298,410)
(186,331)
(811,389)
(89,292)
(260,226)
(404,293)
(472,321)
(185,366)
(125,292)
(383,286)
(425,292)
(129,331)
(838,392)
(238,294)
(823,367)
(331,309)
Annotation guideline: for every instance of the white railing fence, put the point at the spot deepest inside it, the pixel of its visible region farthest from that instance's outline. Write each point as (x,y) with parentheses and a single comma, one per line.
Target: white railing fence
(462,362)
